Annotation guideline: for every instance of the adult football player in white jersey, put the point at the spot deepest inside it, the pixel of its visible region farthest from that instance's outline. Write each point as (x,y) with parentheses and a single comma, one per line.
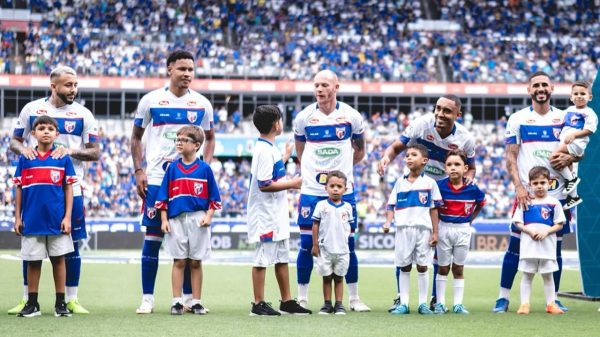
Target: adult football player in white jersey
(163,112)
(78,138)
(329,136)
(439,133)
(532,134)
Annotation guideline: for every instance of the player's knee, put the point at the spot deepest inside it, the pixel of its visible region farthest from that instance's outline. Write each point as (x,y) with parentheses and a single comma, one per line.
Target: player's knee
(328,278)
(179,263)
(444,270)
(195,264)
(421,269)
(457,270)
(34,264)
(337,278)
(406,269)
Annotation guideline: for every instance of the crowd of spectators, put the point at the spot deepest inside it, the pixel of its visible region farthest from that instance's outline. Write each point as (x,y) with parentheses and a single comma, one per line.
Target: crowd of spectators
(497,41)
(110,185)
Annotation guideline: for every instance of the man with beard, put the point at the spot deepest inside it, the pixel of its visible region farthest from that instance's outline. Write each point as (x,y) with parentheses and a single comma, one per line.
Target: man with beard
(78,138)
(439,133)
(532,134)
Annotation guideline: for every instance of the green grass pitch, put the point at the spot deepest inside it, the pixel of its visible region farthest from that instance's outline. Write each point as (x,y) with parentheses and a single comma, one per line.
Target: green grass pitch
(112,292)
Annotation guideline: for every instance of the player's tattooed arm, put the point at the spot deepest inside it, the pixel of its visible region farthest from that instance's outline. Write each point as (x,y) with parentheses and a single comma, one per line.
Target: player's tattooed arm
(91,152)
(359,145)
(17,146)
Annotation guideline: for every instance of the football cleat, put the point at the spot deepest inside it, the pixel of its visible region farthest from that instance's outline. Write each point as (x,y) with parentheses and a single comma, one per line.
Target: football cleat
(460,309)
(501,305)
(524,309)
(77,308)
(440,308)
(402,309)
(358,306)
(16,309)
(424,309)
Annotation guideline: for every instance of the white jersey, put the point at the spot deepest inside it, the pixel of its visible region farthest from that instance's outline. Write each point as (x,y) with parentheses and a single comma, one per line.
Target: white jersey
(537,136)
(422,131)
(334,226)
(76,127)
(268,214)
(579,119)
(165,114)
(411,202)
(541,214)
(328,145)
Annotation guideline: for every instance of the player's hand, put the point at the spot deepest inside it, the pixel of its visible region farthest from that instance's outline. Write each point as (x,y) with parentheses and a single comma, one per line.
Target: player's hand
(205,221)
(382,165)
(469,180)
(164,227)
(560,160)
(60,152)
(29,153)
(141,183)
(386,227)
(65,226)
(523,197)
(296,182)
(569,139)
(18,227)
(433,239)
(315,251)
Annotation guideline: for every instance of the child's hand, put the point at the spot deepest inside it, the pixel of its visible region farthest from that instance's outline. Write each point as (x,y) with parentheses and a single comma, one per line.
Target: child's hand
(65,226)
(315,251)
(18,227)
(569,138)
(386,227)
(296,182)
(205,221)
(433,239)
(164,227)
(532,233)
(540,235)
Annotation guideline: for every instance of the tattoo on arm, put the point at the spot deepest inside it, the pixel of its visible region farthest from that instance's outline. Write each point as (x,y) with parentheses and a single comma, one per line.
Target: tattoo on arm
(512,152)
(90,153)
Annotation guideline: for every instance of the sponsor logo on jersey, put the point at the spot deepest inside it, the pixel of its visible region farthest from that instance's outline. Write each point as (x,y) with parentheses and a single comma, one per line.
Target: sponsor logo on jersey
(328,152)
(529,121)
(340,119)
(171,135)
(453,146)
(192,116)
(340,132)
(553,184)
(556,132)
(71,113)
(429,138)
(313,121)
(191,103)
(41,112)
(321,178)
(423,197)
(305,211)
(54,176)
(545,213)
(545,134)
(69,126)
(151,212)
(434,170)
(543,154)
(163,103)
(198,187)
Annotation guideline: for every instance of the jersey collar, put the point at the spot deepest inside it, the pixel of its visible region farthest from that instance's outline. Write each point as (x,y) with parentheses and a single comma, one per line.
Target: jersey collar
(334,204)
(264,140)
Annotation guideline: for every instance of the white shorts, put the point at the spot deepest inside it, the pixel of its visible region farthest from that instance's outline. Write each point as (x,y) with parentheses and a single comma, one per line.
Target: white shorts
(542,266)
(412,246)
(577,147)
(328,263)
(39,247)
(270,253)
(187,240)
(453,244)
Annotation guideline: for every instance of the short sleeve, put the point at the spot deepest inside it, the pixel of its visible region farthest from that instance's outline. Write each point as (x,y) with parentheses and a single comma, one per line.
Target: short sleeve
(512,131)
(90,129)
(22,125)
(559,214)
(214,196)
(414,130)
(264,174)
(17,177)
(469,149)
(358,126)
(393,198)
(518,215)
(299,127)
(317,212)
(436,196)
(208,119)
(591,121)
(70,176)
(162,197)
(142,114)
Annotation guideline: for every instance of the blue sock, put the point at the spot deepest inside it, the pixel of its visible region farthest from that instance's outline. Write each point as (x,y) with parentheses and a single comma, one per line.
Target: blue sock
(435,271)
(510,264)
(150,264)
(398,279)
(352,274)
(73,266)
(304,263)
(187,280)
(24,272)
(558,273)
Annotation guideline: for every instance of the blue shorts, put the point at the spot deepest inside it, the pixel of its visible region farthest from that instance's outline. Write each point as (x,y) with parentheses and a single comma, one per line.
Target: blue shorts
(151,217)
(78,230)
(306,207)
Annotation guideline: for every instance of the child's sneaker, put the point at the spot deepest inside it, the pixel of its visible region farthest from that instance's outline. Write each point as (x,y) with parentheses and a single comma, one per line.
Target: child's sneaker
(30,310)
(501,306)
(60,310)
(460,309)
(339,309)
(177,309)
(570,185)
(439,308)
(358,305)
(293,308)
(561,306)
(397,302)
(147,306)
(17,309)
(424,309)
(554,309)
(263,308)
(402,309)
(326,309)
(524,309)
(198,309)
(77,308)
(572,202)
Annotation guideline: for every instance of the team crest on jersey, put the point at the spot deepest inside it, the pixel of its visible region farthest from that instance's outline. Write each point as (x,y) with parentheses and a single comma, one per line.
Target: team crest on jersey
(163,103)
(305,211)
(345,216)
(340,132)
(69,126)
(545,213)
(151,212)
(574,119)
(468,207)
(198,188)
(71,113)
(423,197)
(191,103)
(41,112)
(556,132)
(192,116)
(54,176)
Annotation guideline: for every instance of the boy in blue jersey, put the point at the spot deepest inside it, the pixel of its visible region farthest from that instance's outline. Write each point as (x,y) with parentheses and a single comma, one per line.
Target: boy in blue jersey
(43,206)
(461,204)
(268,214)
(412,206)
(539,224)
(187,200)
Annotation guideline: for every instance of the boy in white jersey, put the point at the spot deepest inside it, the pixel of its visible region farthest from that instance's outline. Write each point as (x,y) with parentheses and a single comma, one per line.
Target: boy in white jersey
(540,222)
(78,138)
(412,206)
(331,228)
(580,122)
(163,112)
(268,213)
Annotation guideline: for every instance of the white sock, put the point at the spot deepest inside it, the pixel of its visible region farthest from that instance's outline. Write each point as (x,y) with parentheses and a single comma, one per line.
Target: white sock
(405,289)
(186,298)
(353,291)
(567,174)
(25,293)
(70,293)
(440,288)
(549,288)
(526,281)
(459,290)
(303,292)
(176,300)
(504,293)
(148,298)
(196,301)
(423,282)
